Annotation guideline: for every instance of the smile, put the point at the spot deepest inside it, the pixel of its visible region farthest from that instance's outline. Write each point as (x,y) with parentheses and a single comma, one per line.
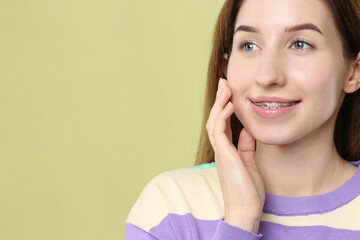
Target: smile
(275,105)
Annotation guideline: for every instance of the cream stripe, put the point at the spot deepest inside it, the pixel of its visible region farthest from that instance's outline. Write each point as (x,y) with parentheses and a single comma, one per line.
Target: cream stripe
(195,191)
(346,217)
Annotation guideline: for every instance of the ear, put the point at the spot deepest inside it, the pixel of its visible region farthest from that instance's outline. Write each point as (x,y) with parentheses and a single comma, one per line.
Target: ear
(352,83)
(225,62)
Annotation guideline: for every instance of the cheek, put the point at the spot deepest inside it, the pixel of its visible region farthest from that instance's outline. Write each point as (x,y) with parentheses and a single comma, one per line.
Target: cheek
(319,83)
(316,78)
(240,75)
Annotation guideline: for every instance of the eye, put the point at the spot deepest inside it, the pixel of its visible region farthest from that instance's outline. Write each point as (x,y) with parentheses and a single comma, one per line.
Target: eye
(301,45)
(248,46)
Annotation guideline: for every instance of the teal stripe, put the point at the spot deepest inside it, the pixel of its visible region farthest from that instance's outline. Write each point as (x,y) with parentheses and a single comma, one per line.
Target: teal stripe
(203,166)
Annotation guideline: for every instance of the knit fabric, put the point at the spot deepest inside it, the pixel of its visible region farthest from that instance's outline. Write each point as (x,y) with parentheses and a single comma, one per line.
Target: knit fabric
(188,204)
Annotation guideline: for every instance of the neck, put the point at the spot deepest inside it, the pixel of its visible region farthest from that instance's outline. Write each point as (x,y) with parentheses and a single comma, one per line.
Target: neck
(303,168)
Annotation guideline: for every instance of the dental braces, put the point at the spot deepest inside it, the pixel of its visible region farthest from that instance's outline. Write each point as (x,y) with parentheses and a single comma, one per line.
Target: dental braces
(274,105)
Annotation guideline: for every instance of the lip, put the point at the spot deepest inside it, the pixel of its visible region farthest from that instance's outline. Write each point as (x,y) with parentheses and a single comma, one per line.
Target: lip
(273,113)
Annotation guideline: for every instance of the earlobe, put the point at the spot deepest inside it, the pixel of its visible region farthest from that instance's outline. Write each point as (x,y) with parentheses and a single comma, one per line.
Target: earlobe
(225,65)
(352,83)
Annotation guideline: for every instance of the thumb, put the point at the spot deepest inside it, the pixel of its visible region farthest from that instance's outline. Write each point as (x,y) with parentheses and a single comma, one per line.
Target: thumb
(246,148)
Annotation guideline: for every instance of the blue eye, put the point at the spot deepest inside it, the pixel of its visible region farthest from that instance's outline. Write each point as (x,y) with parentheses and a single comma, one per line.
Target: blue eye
(248,46)
(301,45)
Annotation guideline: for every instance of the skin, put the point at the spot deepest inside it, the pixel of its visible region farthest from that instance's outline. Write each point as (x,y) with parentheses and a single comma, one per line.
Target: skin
(295,154)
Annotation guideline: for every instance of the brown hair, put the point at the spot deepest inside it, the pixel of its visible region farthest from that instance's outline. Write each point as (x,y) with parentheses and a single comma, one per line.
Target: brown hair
(346,15)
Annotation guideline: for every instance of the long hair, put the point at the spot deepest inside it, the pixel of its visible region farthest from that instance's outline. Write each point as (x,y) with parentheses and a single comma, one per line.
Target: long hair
(346,16)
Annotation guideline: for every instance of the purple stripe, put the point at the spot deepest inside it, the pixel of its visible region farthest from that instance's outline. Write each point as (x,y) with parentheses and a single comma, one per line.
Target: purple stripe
(187,227)
(184,227)
(279,232)
(291,206)
(133,232)
(176,226)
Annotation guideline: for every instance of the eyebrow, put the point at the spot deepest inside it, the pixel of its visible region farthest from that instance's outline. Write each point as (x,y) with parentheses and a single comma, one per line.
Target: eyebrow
(299,27)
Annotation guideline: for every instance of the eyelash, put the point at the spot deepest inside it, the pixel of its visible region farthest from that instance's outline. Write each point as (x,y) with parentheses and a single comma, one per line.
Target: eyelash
(296,40)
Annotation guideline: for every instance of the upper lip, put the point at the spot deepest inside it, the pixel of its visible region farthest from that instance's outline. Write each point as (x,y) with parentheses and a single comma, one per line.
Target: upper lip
(260,99)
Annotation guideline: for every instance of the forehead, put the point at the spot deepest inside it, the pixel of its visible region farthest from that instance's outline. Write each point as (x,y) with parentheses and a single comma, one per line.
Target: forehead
(275,15)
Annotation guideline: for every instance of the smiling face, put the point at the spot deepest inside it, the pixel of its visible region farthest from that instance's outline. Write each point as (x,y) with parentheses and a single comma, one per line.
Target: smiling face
(286,55)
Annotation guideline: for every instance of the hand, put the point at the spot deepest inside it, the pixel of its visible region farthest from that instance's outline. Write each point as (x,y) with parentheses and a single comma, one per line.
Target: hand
(241,183)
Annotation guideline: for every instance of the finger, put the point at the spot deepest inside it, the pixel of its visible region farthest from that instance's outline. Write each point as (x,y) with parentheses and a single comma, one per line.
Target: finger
(218,106)
(220,103)
(246,141)
(220,86)
(246,147)
(228,130)
(221,139)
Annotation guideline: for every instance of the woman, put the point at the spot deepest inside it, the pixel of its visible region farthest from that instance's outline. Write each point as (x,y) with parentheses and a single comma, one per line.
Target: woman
(288,98)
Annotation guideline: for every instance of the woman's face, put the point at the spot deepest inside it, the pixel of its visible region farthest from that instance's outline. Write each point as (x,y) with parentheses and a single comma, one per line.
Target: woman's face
(286,69)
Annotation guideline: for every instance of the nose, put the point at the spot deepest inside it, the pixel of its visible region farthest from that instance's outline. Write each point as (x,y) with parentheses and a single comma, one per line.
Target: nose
(270,70)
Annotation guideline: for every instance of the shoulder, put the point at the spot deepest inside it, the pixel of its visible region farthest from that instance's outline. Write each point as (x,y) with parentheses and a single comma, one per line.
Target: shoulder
(193,190)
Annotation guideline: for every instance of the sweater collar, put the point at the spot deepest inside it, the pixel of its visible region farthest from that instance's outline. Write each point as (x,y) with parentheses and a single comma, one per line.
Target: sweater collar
(291,206)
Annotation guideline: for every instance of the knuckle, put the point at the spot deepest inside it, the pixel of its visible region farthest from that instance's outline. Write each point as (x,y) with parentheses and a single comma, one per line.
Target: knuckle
(213,133)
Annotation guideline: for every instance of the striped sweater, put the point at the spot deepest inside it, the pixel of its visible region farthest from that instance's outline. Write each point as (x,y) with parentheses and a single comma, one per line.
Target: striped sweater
(188,204)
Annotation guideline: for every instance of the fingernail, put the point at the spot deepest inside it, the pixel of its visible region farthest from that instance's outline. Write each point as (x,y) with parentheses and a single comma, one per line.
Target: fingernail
(219,84)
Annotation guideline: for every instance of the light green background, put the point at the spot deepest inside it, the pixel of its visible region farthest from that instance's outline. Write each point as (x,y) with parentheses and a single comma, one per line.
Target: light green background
(96,98)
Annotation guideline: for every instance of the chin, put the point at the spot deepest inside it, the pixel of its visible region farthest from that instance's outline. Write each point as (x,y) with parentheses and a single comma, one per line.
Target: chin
(273,136)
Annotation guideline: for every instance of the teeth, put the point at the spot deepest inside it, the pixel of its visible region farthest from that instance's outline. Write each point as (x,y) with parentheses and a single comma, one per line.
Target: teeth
(274,105)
